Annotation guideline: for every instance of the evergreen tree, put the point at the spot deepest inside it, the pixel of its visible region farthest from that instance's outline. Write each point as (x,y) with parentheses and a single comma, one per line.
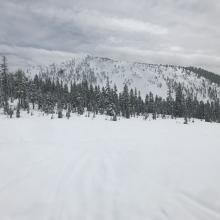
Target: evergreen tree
(4,89)
(18,111)
(60,114)
(151,107)
(178,107)
(125,104)
(170,103)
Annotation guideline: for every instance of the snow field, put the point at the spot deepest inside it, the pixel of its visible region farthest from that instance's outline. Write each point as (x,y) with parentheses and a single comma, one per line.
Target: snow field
(97,169)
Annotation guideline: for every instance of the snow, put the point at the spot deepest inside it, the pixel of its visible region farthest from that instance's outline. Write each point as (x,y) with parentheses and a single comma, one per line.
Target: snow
(96,169)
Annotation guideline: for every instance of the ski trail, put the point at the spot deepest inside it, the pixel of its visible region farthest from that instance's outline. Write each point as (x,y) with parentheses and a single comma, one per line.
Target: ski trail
(64,186)
(165,213)
(90,191)
(199,205)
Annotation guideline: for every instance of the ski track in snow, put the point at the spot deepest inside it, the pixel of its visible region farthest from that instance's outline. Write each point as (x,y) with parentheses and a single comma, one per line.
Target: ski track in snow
(194,205)
(101,170)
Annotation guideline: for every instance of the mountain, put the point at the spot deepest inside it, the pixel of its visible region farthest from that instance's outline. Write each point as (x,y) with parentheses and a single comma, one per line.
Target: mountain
(154,78)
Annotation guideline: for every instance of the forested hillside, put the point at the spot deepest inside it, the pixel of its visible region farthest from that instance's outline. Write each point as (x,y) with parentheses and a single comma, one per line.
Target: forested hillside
(212,77)
(158,79)
(58,96)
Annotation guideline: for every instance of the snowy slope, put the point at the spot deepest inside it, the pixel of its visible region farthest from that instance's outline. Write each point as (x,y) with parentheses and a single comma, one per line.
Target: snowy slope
(103,170)
(145,77)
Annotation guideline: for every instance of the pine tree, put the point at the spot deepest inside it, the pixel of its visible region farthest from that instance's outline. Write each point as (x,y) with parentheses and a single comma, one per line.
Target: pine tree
(185,120)
(68,112)
(178,110)
(125,104)
(207,111)
(146,103)
(20,84)
(170,103)
(151,107)
(11,112)
(154,116)
(4,85)
(115,100)
(114,118)
(60,114)
(18,111)
(110,107)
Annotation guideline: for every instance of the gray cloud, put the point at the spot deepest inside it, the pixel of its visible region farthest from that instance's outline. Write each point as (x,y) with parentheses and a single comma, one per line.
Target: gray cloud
(156,31)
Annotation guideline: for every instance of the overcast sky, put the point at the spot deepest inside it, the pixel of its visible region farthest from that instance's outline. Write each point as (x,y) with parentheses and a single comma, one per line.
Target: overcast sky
(183,32)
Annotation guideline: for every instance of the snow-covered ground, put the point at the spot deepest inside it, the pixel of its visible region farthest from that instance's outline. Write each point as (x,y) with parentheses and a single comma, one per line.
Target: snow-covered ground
(86,169)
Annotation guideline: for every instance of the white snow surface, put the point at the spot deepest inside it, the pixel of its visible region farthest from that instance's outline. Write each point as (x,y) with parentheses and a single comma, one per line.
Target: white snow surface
(96,169)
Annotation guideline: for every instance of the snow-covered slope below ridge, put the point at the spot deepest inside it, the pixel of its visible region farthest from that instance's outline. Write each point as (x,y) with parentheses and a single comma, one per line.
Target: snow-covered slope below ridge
(145,77)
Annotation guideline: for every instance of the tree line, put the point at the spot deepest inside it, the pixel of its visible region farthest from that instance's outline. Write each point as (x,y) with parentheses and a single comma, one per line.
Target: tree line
(215,78)
(55,97)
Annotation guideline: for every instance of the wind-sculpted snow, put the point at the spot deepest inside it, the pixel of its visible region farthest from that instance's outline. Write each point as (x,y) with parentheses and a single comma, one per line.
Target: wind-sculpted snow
(96,169)
(145,77)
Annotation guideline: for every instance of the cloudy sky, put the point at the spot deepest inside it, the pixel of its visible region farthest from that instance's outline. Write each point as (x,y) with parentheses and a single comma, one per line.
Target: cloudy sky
(184,32)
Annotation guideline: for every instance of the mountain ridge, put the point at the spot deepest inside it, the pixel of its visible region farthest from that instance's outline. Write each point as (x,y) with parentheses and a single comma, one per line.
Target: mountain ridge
(155,78)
